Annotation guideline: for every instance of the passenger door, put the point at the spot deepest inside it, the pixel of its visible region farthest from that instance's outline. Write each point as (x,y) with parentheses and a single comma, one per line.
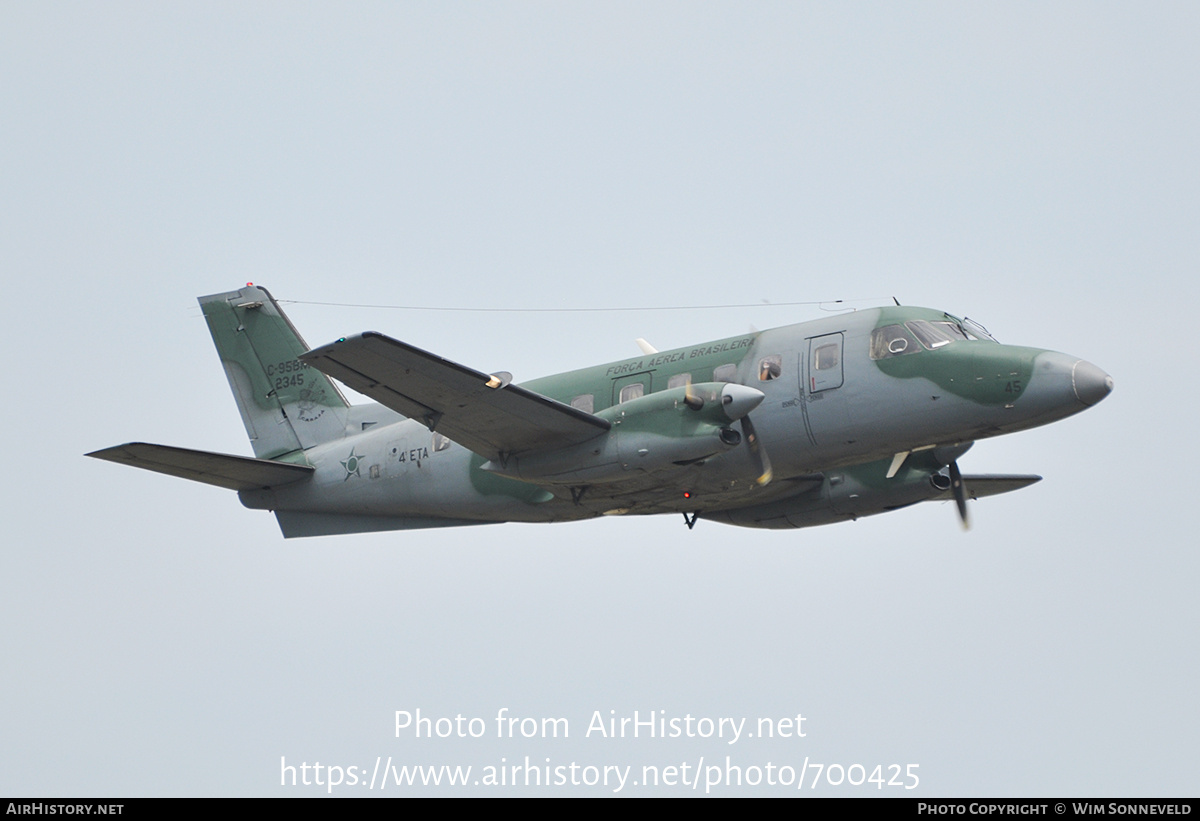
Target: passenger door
(822,374)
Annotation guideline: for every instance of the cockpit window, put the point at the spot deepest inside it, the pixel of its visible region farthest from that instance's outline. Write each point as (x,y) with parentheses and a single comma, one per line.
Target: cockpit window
(976,330)
(971,328)
(892,340)
(930,335)
(952,329)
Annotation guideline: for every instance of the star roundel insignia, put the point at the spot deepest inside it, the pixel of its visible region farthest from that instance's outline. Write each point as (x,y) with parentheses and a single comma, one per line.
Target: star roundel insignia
(350,463)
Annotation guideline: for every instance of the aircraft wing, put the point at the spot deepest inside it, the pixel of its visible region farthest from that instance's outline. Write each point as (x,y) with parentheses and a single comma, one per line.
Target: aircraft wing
(220,469)
(480,411)
(990,484)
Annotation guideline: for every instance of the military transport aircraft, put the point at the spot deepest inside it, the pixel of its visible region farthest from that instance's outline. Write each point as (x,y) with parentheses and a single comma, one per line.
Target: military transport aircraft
(808,424)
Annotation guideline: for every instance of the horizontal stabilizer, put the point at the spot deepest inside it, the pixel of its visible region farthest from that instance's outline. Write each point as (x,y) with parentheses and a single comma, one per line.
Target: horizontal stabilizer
(297,524)
(220,469)
(480,411)
(989,484)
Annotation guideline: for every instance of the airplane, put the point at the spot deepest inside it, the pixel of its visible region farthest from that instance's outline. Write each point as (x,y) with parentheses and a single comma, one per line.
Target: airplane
(809,424)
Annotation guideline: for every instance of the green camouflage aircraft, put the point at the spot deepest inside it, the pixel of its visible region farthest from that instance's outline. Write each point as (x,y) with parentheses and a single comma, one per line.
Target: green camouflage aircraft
(808,424)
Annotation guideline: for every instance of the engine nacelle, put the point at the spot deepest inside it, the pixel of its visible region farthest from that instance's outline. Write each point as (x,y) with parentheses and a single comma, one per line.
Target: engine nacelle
(843,495)
(662,430)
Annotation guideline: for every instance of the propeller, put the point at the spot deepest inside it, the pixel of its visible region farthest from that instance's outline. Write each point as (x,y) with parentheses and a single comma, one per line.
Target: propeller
(738,401)
(960,494)
(759,454)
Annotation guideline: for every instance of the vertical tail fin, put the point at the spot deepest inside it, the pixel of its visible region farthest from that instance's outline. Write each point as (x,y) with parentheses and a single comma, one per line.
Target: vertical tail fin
(285,404)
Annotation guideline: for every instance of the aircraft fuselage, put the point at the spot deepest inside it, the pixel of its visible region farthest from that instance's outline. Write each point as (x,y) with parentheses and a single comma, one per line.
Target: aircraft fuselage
(859,414)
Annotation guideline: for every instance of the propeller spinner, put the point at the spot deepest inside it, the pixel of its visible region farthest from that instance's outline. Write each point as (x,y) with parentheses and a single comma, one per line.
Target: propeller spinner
(738,401)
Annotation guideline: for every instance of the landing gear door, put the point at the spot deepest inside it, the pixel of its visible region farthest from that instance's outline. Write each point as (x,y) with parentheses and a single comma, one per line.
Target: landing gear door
(824,363)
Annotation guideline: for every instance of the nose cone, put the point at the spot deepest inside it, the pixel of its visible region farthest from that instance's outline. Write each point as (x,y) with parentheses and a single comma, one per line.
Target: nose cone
(1060,386)
(1090,383)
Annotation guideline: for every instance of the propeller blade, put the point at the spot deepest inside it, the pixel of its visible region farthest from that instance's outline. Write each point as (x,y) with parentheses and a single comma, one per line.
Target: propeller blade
(757,452)
(960,494)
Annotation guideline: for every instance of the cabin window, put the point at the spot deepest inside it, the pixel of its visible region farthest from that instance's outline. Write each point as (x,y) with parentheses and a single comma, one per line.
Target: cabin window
(892,340)
(633,391)
(679,380)
(725,373)
(826,357)
(585,402)
(770,367)
(440,442)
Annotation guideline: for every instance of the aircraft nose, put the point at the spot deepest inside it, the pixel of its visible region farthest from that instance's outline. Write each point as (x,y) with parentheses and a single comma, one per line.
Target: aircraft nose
(1090,383)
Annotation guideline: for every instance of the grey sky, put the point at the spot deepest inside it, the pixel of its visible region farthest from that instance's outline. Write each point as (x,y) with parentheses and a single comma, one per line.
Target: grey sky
(1031,165)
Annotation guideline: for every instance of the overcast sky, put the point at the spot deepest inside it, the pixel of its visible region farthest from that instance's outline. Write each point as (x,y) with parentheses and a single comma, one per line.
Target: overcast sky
(1032,165)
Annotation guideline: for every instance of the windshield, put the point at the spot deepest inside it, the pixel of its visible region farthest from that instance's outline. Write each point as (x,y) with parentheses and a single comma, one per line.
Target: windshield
(972,329)
(933,335)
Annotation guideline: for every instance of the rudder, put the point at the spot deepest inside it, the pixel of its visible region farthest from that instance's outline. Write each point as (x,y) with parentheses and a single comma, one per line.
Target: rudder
(286,405)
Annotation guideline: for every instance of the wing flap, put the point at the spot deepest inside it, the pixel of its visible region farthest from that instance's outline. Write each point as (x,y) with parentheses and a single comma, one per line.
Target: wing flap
(480,411)
(220,469)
